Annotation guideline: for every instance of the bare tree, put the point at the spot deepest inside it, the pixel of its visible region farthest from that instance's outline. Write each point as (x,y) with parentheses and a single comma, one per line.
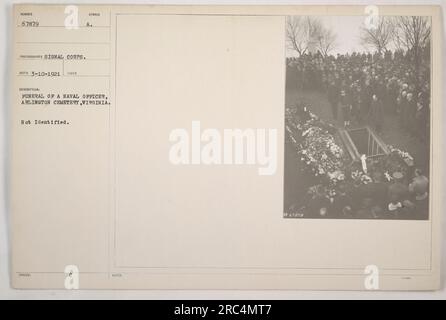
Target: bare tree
(379,37)
(301,33)
(413,31)
(396,36)
(413,34)
(325,40)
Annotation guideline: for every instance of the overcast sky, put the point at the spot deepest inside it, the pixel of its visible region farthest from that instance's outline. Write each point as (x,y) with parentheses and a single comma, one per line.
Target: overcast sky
(346,29)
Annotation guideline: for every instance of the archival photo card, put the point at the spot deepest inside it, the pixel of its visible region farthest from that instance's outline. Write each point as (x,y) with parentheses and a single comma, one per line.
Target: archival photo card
(226,147)
(357,117)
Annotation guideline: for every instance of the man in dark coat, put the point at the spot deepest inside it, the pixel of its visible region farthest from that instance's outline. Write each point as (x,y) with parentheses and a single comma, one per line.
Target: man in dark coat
(376,114)
(333,98)
(346,108)
(411,110)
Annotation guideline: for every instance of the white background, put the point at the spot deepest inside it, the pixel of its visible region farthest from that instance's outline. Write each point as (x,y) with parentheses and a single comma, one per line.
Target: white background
(5,290)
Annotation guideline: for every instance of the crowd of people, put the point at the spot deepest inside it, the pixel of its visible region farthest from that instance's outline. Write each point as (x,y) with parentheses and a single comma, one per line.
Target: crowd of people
(365,87)
(401,198)
(388,186)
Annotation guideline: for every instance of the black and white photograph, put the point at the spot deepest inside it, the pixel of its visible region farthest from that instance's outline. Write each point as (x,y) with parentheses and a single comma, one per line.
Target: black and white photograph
(357,117)
(157,151)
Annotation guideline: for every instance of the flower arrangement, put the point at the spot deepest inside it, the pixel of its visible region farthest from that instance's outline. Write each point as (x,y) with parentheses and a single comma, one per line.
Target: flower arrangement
(337,175)
(404,155)
(321,155)
(315,142)
(396,161)
(320,151)
(359,176)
